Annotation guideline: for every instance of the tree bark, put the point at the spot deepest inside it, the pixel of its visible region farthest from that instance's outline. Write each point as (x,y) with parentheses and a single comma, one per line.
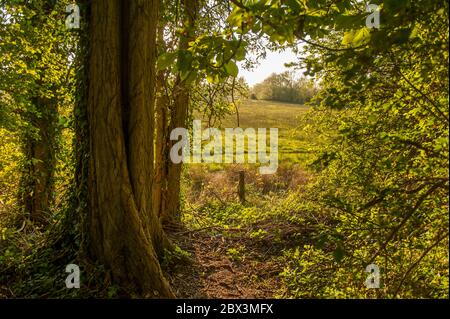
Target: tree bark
(124,233)
(36,184)
(170,214)
(161,138)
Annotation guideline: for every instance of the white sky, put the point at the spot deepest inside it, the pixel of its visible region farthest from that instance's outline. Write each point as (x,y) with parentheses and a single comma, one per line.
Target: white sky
(273,63)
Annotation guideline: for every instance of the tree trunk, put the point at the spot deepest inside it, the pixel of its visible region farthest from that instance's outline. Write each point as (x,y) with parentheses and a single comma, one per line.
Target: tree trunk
(161,138)
(171,195)
(178,116)
(39,147)
(36,185)
(124,233)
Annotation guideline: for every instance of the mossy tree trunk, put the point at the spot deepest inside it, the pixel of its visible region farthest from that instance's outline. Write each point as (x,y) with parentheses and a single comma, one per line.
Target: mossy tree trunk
(39,147)
(161,132)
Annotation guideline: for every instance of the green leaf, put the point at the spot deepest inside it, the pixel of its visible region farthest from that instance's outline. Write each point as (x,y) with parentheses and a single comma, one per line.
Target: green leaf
(213,78)
(165,60)
(338,254)
(232,69)
(348,37)
(185,60)
(240,53)
(188,76)
(361,37)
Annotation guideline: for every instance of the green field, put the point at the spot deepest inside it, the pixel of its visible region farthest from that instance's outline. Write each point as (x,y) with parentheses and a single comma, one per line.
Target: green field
(293,141)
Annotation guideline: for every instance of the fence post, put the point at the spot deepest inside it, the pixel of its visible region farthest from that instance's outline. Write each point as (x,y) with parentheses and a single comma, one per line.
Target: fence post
(241,187)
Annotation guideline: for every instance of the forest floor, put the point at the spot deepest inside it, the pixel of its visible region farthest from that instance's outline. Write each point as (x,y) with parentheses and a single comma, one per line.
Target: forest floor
(230,264)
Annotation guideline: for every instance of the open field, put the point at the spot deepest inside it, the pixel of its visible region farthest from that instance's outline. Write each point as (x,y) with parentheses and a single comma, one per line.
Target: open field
(293,141)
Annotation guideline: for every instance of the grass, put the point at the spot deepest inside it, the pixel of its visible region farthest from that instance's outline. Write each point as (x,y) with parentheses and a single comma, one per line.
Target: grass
(259,113)
(290,119)
(208,182)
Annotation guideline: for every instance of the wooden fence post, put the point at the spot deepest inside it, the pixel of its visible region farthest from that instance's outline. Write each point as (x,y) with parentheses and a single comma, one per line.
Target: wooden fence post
(241,187)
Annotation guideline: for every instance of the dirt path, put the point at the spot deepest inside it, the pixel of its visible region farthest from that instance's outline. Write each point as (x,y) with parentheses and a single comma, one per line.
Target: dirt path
(228,265)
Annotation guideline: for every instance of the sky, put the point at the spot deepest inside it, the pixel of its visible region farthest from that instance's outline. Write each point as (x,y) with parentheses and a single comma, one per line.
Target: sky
(273,63)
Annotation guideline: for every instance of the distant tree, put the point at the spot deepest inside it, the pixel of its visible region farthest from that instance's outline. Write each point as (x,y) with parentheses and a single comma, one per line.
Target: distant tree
(285,88)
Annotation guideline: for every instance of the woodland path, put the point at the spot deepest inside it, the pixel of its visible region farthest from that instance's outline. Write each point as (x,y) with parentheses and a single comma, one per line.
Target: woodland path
(213,273)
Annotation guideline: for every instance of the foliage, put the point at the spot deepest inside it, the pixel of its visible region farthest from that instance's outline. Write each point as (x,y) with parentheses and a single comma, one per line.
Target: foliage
(285,87)
(217,100)
(235,254)
(175,257)
(36,75)
(384,173)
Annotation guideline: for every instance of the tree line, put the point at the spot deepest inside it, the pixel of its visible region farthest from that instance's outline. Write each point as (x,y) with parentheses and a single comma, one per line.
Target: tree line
(285,87)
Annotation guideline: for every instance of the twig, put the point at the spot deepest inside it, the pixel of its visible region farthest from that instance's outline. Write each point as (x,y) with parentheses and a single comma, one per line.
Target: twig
(233,100)
(215,227)
(405,219)
(423,95)
(414,265)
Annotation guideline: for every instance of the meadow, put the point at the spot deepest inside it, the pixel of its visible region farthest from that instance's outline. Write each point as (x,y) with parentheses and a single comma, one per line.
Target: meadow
(294,142)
